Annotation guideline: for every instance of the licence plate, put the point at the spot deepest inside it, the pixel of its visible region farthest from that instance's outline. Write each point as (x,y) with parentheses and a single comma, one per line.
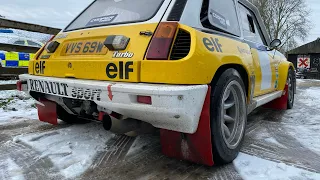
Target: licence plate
(92,47)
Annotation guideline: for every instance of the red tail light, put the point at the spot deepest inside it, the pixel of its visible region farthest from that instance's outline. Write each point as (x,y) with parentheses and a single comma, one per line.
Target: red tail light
(161,42)
(42,49)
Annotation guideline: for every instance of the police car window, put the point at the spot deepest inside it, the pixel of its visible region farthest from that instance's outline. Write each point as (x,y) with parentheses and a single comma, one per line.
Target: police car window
(31,43)
(250,28)
(107,12)
(223,16)
(19,42)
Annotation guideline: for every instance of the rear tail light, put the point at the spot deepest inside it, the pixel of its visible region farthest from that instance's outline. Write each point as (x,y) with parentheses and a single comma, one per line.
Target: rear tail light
(161,42)
(42,49)
(144,99)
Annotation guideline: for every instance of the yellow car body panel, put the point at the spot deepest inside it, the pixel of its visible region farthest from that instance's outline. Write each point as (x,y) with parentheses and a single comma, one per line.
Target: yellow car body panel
(93,65)
(199,66)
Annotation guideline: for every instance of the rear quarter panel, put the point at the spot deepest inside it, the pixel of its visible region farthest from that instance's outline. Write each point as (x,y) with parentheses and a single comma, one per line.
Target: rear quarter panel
(208,53)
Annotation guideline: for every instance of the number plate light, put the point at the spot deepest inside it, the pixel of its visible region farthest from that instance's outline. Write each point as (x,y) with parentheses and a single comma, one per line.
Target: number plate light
(116,42)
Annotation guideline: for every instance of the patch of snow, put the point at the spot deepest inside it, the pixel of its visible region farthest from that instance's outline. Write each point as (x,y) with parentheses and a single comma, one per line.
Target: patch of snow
(8,82)
(312,96)
(304,124)
(307,135)
(139,144)
(254,168)
(16,105)
(10,94)
(300,81)
(282,166)
(307,80)
(274,141)
(73,149)
(10,170)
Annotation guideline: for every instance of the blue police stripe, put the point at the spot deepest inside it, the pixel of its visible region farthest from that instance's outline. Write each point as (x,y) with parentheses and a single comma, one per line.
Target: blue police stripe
(2,56)
(24,56)
(12,63)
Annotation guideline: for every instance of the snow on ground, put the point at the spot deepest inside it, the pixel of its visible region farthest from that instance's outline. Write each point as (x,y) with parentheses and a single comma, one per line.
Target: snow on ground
(16,105)
(307,135)
(308,80)
(312,97)
(8,82)
(307,116)
(254,168)
(73,149)
(139,144)
(10,170)
(274,141)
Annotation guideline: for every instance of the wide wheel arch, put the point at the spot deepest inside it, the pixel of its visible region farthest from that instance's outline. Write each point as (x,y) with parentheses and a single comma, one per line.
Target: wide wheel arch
(242,71)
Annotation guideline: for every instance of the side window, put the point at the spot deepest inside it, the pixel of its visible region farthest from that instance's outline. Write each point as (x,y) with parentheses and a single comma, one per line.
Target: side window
(19,43)
(31,43)
(250,27)
(220,15)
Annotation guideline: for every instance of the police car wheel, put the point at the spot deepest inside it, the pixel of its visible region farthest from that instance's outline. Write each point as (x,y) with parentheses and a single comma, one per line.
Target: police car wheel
(228,116)
(291,85)
(69,118)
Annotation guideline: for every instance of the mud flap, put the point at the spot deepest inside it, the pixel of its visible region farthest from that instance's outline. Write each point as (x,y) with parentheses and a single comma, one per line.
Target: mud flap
(280,103)
(48,112)
(195,147)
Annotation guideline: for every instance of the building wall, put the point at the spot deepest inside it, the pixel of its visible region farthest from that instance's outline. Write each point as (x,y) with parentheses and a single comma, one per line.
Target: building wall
(314,64)
(293,58)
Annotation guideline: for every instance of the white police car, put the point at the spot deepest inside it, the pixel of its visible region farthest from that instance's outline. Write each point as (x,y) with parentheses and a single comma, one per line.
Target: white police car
(8,36)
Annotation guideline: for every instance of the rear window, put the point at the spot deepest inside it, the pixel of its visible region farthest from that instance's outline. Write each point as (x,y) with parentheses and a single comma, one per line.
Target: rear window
(109,12)
(31,43)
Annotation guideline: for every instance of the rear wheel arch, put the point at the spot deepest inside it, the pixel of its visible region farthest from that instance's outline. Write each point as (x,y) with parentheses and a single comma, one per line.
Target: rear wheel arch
(241,70)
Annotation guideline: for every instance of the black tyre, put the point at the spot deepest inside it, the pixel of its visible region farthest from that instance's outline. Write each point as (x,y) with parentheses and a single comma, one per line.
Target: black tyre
(291,87)
(69,118)
(228,116)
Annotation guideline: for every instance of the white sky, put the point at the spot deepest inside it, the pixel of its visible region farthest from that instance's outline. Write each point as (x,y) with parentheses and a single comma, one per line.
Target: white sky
(58,13)
(52,13)
(314,6)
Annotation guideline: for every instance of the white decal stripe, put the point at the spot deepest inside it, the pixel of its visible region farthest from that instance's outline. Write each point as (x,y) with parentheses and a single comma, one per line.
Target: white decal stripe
(266,72)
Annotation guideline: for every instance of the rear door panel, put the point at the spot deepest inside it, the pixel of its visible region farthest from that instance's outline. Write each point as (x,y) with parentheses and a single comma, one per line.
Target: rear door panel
(263,60)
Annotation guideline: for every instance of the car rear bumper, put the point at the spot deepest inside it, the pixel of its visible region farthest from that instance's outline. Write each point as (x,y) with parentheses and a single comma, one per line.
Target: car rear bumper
(173,107)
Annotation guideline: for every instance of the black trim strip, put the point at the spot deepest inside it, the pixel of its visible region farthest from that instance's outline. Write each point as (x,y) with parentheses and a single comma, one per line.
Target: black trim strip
(177,10)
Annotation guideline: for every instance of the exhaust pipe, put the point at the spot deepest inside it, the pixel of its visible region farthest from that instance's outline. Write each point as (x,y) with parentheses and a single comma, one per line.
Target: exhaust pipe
(126,126)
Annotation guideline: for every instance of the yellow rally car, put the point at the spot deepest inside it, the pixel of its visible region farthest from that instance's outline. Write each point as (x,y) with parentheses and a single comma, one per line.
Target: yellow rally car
(192,68)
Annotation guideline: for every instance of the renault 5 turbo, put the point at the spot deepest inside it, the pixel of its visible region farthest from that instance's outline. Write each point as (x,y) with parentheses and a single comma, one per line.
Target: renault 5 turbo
(192,68)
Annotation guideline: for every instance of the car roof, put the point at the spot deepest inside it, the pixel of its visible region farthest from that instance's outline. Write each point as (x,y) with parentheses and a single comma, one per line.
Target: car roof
(11,38)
